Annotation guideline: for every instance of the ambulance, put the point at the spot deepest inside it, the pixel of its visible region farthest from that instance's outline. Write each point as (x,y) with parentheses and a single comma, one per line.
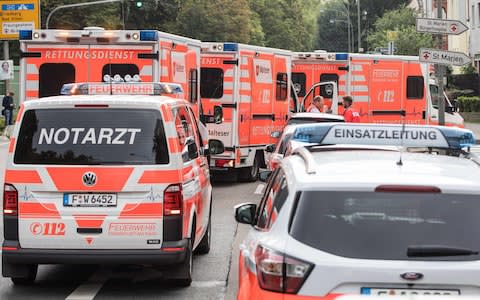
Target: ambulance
(245,92)
(385,88)
(50,58)
(104,176)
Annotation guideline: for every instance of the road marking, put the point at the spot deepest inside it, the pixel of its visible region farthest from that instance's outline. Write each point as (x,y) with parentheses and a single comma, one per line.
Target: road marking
(208,284)
(90,288)
(259,189)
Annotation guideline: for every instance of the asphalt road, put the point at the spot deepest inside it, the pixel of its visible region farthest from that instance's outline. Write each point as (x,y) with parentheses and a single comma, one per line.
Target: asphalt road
(215,274)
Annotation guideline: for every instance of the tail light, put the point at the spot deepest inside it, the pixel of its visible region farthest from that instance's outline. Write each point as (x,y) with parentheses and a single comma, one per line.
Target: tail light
(224,163)
(173,200)
(280,273)
(10,200)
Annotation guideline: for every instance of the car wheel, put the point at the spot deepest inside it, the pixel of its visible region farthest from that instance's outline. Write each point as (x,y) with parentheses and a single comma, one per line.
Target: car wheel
(251,173)
(29,278)
(184,271)
(204,245)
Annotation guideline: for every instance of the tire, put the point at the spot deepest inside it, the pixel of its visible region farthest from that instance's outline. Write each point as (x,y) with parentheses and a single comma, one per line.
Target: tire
(204,245)
(250,174)
(29,278)
(183,273)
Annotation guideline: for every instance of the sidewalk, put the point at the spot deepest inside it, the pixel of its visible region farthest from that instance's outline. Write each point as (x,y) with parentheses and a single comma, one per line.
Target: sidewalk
(475,127)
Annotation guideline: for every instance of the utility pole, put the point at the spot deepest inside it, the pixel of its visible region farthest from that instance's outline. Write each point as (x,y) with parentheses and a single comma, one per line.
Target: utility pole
(440,70)
(359,40)
(6,56)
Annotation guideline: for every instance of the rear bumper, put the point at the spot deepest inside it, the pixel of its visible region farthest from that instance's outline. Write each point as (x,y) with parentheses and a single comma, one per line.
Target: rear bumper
(171,253)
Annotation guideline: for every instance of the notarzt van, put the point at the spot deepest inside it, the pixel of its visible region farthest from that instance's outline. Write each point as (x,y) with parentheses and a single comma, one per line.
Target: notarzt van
(106,179)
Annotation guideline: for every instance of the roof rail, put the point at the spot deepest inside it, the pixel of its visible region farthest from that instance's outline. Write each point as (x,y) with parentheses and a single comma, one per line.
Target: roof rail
(308,158)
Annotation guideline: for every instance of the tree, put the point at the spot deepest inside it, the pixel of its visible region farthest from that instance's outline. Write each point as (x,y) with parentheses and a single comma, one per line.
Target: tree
(399,26)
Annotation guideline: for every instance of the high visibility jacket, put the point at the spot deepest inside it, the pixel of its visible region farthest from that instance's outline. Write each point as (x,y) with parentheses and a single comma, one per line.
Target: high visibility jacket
(351,115)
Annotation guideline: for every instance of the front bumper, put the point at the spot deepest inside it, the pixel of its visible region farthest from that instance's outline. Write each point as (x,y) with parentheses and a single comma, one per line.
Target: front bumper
(171,253)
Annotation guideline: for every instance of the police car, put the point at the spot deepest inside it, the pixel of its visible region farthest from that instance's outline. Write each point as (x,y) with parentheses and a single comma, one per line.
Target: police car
(368,209)
(107,178)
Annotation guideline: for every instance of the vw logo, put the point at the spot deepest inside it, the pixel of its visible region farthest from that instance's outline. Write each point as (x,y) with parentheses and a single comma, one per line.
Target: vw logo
(89,179)
(412,276)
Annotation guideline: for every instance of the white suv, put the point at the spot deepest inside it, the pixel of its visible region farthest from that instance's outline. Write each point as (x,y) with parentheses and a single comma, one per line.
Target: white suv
(369,209)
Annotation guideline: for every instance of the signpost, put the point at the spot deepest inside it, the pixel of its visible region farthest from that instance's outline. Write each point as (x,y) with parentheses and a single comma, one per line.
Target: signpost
(16,15)
(436,56)
(440,26)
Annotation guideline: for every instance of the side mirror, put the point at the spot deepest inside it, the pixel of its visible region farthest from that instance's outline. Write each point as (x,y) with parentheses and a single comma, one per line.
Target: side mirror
(264,175)
(450,109)
(215,147)
(218,114)
(245,213)
(270,148)
(191,148)
(275,134)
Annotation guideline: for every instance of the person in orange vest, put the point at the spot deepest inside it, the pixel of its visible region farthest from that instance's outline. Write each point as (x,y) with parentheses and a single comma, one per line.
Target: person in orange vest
(350,114)
(317,104)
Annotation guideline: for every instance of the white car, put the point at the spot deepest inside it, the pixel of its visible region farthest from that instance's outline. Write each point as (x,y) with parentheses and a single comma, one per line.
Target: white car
(278,150)
(370,209)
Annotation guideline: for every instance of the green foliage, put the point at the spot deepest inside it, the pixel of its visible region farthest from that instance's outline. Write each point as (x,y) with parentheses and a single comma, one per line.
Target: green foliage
(469,104)
(400,22)
(468,69)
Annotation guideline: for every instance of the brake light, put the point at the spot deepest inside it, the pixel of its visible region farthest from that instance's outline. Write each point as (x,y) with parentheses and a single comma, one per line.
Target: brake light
(407,189)
(224,163)
(173,200)
(10,200)
(280,273)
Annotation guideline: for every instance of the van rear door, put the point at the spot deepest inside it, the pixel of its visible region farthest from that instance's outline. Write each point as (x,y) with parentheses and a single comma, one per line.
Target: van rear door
(91,166)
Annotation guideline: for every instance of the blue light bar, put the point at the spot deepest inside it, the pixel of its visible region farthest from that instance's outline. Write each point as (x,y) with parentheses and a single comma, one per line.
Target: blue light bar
(230,47)
(385,135)
(148,35)
(341,56)
(25,34)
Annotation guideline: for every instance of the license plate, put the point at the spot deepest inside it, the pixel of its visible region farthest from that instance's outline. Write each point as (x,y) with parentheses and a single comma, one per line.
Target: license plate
(90,200)
(407,292)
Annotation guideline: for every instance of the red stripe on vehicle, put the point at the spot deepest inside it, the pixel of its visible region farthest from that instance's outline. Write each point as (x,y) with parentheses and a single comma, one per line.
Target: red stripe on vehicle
(22,176)
(160,176)
(34,210)
(89,221)
(141,211)
(11,145)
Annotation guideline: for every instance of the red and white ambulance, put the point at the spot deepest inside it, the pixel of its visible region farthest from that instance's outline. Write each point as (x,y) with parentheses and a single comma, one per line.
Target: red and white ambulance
(53,57)
(103,176)
(245,92)
(385,88)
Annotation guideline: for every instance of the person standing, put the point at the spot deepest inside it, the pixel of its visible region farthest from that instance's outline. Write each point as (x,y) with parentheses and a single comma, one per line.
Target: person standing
(8,107)
(317,104)
(350,114)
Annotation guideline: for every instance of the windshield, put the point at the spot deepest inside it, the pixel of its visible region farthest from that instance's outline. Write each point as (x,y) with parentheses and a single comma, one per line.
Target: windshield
(373,225)
(91,136)
(434,93)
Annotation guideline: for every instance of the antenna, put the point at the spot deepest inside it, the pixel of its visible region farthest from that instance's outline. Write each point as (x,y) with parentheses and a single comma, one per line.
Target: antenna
(400,162)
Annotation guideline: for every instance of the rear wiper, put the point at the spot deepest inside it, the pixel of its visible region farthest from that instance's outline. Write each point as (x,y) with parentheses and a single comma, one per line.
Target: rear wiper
(437,250)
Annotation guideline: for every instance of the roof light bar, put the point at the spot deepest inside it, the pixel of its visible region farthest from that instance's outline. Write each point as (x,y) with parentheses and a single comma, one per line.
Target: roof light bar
(148,35)
(121,88)
(341,56)
(25,34)
(385,135)
(230,47)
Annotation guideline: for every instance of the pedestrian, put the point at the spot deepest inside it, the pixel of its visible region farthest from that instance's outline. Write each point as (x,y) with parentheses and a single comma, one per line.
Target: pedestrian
(317,104)
(7,110)
(349,113)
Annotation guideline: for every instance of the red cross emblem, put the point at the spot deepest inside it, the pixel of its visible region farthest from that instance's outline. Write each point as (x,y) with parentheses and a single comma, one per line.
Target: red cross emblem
(453,27)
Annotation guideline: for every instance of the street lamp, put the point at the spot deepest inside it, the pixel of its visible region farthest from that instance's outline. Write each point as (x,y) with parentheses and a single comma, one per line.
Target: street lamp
(349,24)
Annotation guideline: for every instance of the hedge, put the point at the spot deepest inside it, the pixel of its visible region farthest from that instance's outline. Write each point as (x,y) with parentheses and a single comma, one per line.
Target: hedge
(469,104)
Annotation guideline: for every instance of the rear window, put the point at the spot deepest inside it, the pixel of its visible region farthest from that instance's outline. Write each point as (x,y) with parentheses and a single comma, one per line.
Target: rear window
(92,136)
(372,225)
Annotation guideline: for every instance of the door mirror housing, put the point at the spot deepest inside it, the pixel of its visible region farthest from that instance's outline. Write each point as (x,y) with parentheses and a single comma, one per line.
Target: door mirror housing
(245,213)
(270,148)
(215,147)
(218,114)
(275,134)
(264,175)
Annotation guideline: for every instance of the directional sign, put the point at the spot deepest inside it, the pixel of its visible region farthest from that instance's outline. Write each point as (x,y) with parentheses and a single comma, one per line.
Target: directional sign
(440,26)
(435,56)
(16,15)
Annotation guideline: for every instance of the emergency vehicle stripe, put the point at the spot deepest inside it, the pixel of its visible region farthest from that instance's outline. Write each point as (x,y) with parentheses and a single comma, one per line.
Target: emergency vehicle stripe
(359,78)
(245,86)
(108,179)
(22,176)
(181,48)
(167,115)
(89,221)
(164,71)
(360,98)
(244,60)
(357,67)
(342,88)
(173,145)
(20,113)
(244,74)
(163,54)
(160,176)
(245,98)
(228,73)
(11,145)
(187,204)
(227,97)
(146,71)
(32,69)
(35,210)
(342,78)
(359,88)
(32,85)
(228,85)
(141,211)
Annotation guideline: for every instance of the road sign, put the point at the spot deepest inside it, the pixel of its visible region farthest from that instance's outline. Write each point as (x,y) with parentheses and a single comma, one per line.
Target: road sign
(435,56)
(16,15)
(440,26)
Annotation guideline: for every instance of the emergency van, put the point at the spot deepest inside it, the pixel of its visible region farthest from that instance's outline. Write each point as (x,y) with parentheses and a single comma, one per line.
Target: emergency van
(385,88)
(50,58)
(245,92)
(102,176)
